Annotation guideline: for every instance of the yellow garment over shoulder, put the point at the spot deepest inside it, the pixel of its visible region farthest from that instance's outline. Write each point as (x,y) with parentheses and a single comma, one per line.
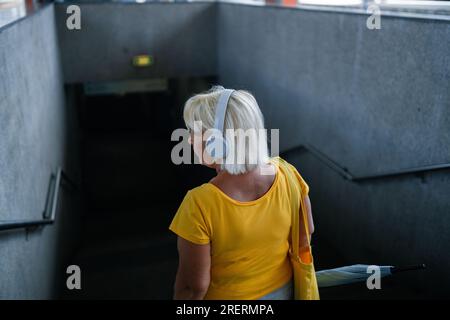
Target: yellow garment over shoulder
(249,240)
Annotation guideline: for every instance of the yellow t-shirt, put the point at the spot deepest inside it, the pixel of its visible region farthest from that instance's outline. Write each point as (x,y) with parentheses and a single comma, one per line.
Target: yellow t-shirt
(249,240)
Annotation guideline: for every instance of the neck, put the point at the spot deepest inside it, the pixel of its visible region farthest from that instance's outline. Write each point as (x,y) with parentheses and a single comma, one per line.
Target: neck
(220,172)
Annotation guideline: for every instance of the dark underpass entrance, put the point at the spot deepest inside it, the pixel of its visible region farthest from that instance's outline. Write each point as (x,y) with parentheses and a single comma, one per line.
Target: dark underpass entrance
(131,188)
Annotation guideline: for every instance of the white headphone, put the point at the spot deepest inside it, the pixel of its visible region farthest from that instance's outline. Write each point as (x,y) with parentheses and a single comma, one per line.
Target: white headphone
(216,144)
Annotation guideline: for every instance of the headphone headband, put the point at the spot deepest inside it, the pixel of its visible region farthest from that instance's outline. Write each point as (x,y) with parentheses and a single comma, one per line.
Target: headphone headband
(221,110)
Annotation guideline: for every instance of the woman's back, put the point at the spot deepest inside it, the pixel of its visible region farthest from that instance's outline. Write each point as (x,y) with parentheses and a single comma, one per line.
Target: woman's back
(249,239)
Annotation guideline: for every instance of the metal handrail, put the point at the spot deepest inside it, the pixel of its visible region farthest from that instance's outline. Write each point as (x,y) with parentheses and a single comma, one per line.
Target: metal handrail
(49,214)
(343,171)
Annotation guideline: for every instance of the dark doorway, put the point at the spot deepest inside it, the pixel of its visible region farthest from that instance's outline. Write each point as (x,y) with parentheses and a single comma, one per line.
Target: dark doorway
(131,190)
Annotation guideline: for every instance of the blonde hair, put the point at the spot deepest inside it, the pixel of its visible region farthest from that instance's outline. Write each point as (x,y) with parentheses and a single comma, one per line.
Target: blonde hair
(242,113)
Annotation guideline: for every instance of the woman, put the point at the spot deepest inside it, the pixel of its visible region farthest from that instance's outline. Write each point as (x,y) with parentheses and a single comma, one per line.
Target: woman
(233,232)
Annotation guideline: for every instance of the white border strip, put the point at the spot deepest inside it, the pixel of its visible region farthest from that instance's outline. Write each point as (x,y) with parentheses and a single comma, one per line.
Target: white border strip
(389,10)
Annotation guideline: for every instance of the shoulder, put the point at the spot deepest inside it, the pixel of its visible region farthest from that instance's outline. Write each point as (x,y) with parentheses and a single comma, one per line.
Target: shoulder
(278,160)
(288,169)
(281,163)
(201,197)
(194,205)
(199,192)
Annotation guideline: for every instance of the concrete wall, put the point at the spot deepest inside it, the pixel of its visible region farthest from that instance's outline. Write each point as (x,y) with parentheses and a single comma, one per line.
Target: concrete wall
(180,36)
(34,141)
(372,101)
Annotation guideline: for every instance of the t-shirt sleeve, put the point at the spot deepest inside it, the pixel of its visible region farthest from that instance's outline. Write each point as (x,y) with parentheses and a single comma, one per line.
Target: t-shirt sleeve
(189,221)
